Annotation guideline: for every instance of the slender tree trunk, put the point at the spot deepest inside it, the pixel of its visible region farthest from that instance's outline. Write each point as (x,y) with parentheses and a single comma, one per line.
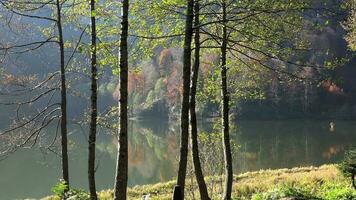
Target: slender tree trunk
(225,111)
(353,181)
(185,101)
(193,116)
(94,112)
(64,140)
(122,156)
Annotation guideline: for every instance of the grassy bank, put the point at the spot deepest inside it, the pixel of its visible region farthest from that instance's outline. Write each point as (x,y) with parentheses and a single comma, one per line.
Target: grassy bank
(323,182)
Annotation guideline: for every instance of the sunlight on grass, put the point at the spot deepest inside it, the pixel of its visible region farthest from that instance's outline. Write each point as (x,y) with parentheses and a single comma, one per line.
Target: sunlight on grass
(323,182)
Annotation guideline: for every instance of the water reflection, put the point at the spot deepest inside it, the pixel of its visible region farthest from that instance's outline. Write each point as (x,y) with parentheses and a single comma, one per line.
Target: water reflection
(153,153)
(293,143)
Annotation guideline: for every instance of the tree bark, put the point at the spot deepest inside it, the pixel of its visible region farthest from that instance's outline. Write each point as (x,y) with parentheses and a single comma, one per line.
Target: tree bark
(185,100)
(94,112)
(122,156)
(225,111)
(177,193)
(64,140)
(193,116)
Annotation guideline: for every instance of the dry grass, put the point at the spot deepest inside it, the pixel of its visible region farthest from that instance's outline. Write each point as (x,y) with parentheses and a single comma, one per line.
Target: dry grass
(244,185)
(263,180)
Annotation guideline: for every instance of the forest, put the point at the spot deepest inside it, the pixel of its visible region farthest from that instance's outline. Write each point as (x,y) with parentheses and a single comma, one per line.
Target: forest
(178,99)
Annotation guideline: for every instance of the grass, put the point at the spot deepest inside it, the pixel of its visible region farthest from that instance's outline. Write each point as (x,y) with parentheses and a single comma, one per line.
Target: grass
(319,183)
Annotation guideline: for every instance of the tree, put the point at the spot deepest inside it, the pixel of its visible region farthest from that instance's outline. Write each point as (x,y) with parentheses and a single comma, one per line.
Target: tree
(64,141)
(188,35)
(20,8)
(122,155)
(256,35)
(225,108)
(259,36)
(93,110)
(193,116)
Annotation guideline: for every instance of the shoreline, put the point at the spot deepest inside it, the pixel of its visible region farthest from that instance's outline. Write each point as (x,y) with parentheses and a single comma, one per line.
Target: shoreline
(318,181)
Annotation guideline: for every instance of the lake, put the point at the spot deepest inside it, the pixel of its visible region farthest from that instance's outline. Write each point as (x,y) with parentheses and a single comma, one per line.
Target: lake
(153,153)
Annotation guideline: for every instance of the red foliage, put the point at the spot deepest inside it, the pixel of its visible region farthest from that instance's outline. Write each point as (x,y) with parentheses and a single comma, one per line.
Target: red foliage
(207,63)
(332,88)
(135,82)
(174,83)
(165,58)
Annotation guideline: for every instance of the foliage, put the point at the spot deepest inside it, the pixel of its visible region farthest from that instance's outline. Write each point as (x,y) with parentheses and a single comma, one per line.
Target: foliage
(350,24)
(285,191)
(348,166)
(76,194)
(73,194)
(210,144)
(337,191)
(326,191)
(60,188)
(265,38)
(260,45)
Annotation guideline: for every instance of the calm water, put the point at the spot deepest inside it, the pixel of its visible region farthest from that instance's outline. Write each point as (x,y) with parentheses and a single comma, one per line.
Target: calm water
(153,148)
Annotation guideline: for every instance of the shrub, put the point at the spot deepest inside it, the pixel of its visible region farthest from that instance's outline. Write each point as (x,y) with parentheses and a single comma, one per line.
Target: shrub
(59,188)
(348,166)
(286,191)
(337,191)
(72,194)
(75,194)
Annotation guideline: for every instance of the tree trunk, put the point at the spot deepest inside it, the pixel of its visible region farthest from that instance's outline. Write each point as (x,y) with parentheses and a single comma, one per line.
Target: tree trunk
(353,181)
(64,140)
(193,116)
(94,112)
(122,156)
(177,193)
(185,101)
(225,111)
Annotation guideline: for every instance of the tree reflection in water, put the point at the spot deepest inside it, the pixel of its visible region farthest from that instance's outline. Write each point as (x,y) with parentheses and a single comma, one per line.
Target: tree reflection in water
(154,145)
